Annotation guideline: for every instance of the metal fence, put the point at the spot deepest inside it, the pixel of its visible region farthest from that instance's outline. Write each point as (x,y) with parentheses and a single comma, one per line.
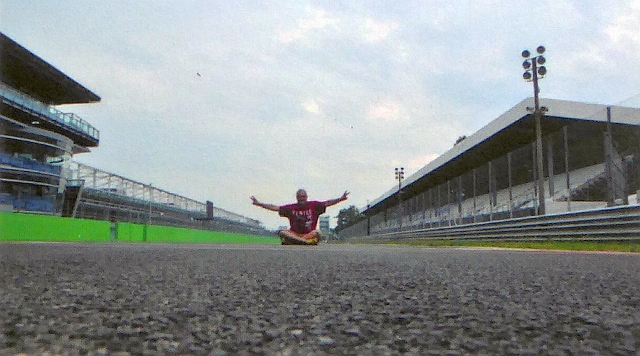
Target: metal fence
(614,223)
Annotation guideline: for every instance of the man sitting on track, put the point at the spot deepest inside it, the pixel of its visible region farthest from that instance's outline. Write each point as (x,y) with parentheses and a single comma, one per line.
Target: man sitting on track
(303,217)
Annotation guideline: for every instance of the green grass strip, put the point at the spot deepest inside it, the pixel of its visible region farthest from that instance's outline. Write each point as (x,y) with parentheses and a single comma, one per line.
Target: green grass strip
(46,228)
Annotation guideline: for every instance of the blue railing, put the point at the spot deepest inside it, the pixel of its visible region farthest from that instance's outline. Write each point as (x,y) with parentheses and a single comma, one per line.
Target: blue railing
(22,162)
(69,120)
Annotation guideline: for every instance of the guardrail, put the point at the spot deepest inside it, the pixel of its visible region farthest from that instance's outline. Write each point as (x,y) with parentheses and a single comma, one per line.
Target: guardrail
(615,223)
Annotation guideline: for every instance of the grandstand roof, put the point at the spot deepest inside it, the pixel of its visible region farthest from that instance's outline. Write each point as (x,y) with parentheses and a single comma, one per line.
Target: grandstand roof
(511,130)
(23,70)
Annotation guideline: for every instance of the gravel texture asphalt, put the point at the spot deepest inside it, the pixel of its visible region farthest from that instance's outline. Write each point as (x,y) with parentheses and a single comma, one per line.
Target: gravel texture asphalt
(132,299)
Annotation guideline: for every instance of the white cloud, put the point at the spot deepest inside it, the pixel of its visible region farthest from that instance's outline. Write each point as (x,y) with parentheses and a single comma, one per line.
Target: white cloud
(311,106)
(318,19)
(623,30)
(387,110)
(291,35)
(376,31)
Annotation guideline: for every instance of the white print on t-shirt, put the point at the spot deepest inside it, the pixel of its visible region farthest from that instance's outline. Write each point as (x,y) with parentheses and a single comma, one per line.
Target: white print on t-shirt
(306,216)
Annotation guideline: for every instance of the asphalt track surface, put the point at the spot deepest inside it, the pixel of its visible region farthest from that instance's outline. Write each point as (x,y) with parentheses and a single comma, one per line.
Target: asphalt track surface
(120,299)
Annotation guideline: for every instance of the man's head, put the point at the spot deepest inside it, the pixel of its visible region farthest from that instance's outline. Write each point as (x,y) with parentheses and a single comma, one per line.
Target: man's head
(301,196)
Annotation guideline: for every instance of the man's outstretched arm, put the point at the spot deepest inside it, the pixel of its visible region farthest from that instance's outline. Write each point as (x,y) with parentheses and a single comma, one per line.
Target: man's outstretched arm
(337,200)
(271,207)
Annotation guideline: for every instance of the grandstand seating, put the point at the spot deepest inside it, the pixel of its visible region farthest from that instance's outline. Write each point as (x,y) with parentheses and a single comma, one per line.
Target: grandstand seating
(29,168)
(29,203)
(523,203)
(29,164)
(6,198)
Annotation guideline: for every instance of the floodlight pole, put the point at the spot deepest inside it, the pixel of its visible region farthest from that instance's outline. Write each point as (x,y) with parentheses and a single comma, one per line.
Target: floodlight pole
(538,118)
(532,70)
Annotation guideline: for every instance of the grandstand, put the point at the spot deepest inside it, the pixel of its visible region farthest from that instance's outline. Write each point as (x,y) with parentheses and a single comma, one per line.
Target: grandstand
(591,160)
(37,145)
(96,194)
(37,140)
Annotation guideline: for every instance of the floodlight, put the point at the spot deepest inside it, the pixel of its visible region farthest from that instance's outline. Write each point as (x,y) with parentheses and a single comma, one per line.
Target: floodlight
(542,70)
(540,49)
(526,64)
(526,75)
(526,53)
(541,60)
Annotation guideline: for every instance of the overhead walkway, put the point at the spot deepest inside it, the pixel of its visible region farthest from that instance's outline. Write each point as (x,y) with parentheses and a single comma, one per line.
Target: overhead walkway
(48,117)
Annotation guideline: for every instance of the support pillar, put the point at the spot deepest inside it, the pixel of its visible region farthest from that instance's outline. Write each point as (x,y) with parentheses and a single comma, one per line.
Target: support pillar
(565,133)
(550,166)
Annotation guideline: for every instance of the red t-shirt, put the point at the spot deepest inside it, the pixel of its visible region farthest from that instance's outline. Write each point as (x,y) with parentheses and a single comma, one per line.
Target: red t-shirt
(303,218)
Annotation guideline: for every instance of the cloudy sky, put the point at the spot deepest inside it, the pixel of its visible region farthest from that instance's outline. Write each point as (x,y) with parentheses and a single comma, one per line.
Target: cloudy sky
(221,100)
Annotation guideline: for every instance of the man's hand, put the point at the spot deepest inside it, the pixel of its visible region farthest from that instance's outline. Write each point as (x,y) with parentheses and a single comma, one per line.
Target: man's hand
(337,200)
(271,207)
